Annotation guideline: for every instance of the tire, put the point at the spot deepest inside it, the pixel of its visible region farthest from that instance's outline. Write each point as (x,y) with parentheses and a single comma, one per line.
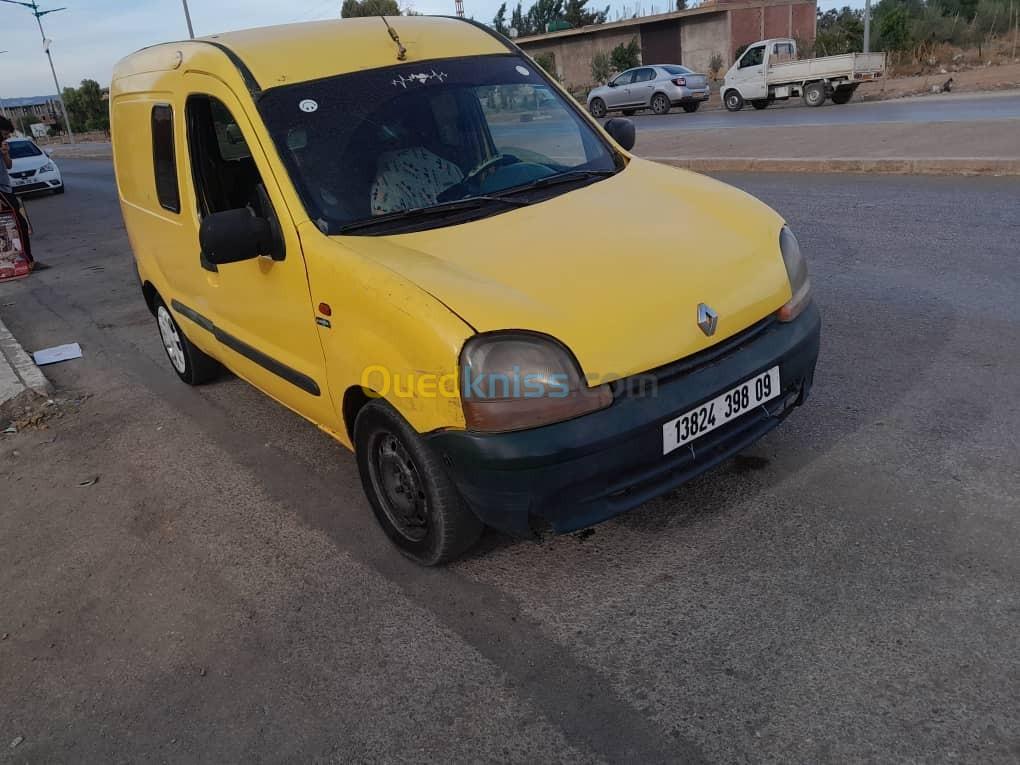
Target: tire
(59,189)
(192,365)
(411,494)
(842,95)
(760,103)
(733,100)
(660,104)
(597,107)
(691,108)
(629,112)
(814,94)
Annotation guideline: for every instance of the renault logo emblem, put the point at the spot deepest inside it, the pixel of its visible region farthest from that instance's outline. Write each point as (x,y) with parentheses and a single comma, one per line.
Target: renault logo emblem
(707,319)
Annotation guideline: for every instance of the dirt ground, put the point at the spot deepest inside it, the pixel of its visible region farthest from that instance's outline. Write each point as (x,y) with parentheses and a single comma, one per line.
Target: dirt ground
(994,77)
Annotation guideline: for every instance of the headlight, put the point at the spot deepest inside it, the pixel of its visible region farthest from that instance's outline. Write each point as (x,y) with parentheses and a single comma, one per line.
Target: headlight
(49,167)
(796,270)
(515,380)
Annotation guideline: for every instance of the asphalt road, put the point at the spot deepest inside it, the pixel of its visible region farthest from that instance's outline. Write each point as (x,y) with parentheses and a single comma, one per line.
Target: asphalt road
(844,591)
(963,107)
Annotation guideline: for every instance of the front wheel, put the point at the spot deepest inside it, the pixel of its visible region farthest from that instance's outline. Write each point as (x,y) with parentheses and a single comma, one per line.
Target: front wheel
(691,108)
(412,495)
(660,104)
(734,101)
(597,107)
(192,365)
(814,94)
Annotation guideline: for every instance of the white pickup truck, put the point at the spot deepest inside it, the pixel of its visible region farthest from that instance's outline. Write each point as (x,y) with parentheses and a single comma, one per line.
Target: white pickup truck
(769,71)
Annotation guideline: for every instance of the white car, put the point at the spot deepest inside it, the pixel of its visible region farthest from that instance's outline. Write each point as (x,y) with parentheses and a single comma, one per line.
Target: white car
(32,169)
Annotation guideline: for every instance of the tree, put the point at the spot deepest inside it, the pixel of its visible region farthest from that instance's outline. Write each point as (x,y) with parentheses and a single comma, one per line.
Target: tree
(499,21)
(893,25)
(625,56)
(575,14)
(542,13)
(355,8)
(839,31)
(715,65)
(601,67)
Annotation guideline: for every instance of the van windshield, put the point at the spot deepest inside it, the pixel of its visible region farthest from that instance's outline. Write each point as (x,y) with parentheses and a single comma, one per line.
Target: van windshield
(424,145)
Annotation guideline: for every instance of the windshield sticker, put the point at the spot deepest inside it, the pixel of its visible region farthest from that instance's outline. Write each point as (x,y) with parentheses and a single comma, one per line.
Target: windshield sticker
(308,105)
(421,78)
(522,70)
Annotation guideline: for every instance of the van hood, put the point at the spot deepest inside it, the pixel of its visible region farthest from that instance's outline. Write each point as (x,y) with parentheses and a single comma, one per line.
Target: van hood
(614,270)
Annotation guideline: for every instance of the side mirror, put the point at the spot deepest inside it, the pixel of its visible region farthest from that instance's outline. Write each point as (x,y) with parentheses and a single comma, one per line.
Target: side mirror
(611,83)
(622,131)
(234,235)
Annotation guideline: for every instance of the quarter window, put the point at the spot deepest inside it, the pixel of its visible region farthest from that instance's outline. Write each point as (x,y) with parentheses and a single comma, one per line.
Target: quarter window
(164,161)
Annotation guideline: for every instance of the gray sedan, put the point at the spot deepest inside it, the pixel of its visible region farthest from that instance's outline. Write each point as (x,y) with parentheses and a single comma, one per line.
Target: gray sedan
(657,87)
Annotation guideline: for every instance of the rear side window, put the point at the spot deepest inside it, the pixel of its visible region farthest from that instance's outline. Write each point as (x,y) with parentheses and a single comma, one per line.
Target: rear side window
(163,158)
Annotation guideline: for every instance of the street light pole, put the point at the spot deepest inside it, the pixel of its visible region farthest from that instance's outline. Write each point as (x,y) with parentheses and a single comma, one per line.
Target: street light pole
(32,6)
(187,15)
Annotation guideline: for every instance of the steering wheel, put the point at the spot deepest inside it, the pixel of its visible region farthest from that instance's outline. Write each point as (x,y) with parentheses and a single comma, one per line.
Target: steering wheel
(501,161)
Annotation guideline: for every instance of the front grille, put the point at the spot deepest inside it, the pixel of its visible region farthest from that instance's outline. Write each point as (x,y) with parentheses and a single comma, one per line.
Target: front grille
(688,364)
(23,174)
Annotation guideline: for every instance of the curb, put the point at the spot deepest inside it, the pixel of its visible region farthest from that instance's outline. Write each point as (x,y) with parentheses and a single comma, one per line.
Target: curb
(886,165)
(21,381)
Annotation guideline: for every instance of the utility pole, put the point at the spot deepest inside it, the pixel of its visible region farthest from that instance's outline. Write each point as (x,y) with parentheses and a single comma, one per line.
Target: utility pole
(187,16)
(32,6)
(867,26)
(3,109)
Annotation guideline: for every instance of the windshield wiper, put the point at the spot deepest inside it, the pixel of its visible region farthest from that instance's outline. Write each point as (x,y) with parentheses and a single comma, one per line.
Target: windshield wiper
(421,213)
(568,176)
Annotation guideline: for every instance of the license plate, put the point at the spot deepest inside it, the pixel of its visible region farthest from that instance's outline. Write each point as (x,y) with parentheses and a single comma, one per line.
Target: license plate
(728,406)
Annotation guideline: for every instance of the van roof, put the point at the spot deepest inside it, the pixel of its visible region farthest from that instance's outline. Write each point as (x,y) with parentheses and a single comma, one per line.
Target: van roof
(282,55)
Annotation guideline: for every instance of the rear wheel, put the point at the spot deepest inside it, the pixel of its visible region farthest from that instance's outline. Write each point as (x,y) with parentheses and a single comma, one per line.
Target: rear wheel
(192,365)
(691,108)
(734,101)
(760,103)
(597,107)
(412,495)
(814,94)
(660,104)
(842,95)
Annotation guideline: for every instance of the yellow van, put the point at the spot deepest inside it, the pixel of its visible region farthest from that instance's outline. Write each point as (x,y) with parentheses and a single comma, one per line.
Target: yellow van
(405,231)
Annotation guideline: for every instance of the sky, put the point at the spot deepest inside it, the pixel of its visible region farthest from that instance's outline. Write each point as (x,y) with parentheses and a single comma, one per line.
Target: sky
(92,35)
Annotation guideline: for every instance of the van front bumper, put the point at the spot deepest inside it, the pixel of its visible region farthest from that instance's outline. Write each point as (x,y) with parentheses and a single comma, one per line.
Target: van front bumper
(577,473)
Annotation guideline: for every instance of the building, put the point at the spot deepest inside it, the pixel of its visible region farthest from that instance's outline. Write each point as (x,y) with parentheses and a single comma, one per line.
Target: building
(688,37)
(21,111)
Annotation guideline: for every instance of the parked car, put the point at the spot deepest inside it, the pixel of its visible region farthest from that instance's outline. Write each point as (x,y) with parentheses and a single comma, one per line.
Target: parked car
(769,71)
(32,169)
(372,236)
(659,88)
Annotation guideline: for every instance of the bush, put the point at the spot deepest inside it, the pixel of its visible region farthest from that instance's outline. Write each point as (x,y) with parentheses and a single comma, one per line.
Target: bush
(625,56)
(547,61)
(601,68)
(715,65)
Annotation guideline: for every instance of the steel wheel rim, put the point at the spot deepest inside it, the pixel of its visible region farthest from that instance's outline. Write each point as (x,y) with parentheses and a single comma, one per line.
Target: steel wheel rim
(399,487)
(659,104)
(171,339)
(731,100)
(597,109)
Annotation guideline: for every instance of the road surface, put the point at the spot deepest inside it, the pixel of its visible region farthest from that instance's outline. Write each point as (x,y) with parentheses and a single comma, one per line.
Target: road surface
(193,574)
(964,107)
